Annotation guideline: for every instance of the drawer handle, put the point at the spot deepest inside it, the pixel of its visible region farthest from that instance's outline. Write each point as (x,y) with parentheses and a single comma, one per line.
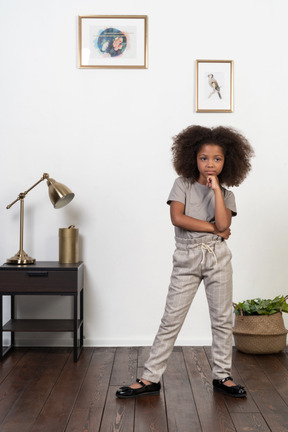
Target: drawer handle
(37,274)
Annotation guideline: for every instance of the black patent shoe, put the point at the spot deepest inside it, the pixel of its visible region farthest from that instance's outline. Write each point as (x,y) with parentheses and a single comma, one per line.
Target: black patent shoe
(236,391)
(144,390)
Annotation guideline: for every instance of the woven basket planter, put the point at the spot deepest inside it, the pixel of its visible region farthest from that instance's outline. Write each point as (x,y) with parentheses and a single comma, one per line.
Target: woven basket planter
(260,334)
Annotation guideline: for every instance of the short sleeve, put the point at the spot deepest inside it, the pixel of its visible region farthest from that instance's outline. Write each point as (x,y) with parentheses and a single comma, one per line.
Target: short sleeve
(178,191)
(230,202)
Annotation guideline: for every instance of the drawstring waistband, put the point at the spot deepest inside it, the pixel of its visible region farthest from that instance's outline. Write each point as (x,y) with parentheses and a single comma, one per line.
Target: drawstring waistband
(207,244)
(205,248)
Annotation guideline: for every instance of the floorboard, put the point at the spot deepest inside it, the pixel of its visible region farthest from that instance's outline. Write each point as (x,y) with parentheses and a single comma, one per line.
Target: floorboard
(118,414)
(180,402)
(30,402)
(43,390)
(58,408)
(211,407)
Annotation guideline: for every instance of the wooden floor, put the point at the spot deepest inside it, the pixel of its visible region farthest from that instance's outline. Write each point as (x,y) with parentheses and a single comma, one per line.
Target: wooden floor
(44,390)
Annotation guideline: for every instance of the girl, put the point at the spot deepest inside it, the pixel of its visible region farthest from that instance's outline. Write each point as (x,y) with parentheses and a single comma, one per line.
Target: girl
(201,210)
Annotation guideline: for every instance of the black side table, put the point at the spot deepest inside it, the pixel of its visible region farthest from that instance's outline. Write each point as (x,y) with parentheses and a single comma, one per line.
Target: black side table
(43,278)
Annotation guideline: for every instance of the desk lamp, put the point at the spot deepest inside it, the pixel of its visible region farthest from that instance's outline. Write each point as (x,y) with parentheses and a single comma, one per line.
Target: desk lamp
(60,195)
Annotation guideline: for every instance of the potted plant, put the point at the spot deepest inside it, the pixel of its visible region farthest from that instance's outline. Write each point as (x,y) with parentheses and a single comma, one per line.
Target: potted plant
(259,326)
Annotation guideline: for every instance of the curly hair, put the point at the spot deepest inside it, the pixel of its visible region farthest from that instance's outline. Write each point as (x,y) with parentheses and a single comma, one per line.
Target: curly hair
(235,146)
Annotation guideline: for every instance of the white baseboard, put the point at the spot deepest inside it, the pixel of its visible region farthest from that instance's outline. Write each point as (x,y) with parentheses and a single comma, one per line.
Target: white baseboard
(57,341)
(63,340)
(142,342)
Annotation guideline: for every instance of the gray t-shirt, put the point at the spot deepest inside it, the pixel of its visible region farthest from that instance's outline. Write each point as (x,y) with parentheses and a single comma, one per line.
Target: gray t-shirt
(199,201)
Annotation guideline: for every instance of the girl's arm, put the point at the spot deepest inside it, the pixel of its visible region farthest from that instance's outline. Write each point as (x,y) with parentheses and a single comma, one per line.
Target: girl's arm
(179,219)
(223,216)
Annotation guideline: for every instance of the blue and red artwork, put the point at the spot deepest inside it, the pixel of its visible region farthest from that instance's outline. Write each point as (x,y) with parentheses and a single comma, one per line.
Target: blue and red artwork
(111,42)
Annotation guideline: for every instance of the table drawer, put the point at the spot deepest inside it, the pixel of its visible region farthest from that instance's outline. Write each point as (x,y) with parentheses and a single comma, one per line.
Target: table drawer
(38,281)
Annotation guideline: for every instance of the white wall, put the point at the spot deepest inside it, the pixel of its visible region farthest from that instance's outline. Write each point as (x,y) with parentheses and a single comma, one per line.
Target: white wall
(107,135)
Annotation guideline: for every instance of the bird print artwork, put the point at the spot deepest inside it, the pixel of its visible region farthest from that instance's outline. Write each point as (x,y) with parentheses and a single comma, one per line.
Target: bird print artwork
(214,85)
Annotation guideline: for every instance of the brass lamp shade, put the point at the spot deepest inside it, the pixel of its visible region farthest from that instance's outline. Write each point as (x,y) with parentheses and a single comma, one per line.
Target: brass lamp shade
(60,195)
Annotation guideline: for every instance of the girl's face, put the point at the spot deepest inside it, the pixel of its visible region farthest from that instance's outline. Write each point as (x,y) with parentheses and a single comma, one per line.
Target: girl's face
(210,161)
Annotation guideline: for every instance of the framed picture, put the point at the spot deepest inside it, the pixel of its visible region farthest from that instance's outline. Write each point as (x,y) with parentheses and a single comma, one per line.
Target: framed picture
(214,85)
(113,41)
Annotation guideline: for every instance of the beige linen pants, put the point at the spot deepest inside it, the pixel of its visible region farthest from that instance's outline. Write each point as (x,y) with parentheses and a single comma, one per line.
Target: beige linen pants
(207,259)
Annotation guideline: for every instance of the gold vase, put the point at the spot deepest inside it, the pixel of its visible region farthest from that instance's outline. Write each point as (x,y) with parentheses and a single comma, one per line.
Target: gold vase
(68,245)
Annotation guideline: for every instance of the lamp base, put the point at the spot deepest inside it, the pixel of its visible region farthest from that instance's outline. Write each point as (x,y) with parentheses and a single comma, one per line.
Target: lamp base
(21,258)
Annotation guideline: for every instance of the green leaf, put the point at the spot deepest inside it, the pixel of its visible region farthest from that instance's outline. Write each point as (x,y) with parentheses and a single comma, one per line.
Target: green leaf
(260,306)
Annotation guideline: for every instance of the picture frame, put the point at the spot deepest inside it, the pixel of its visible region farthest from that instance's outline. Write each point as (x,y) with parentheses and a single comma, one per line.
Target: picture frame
(214,85)
(113,41)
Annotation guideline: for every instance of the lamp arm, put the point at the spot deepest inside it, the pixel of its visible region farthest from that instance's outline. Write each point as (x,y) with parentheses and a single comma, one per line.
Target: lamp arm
(23,194)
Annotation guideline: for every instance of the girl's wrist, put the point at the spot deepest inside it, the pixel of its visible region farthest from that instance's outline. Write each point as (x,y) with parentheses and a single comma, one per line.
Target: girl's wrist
(213,228)
(217,189)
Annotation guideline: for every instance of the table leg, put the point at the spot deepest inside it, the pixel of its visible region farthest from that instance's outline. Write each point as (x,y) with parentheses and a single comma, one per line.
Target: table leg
(75,335)
(1,323)
(81,318)
(12,318)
